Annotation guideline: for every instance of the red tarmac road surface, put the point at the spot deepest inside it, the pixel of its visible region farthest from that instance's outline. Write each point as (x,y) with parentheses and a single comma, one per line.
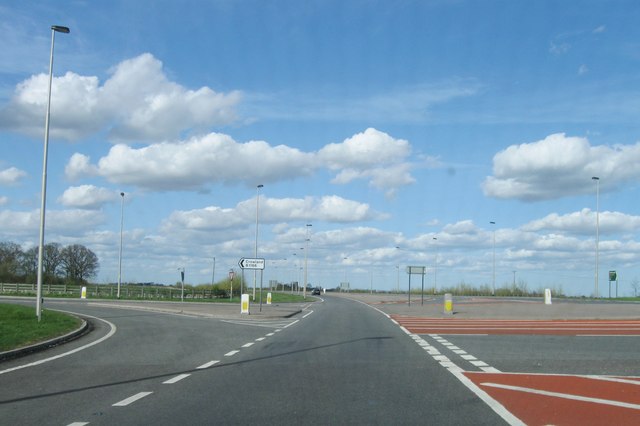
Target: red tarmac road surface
(545,399)
(422,325)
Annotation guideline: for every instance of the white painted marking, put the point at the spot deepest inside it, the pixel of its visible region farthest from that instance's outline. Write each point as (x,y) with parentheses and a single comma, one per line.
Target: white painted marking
(492,403)
(247,345)
(479,363)
(289,325)
(459,351)
(490,370)
(207,365)
(78,424)
(131,399)
(614,379)
(42,361)
(232,353)
(441,358)
(304,316)
(468,357)
(176,379)
(565,396)
(260,339)
(270,334)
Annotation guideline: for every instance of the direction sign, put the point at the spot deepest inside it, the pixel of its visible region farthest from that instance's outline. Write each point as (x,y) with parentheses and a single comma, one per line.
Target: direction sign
(248,263)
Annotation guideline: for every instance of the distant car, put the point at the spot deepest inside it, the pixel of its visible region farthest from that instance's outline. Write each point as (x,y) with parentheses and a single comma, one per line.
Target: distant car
(316,292)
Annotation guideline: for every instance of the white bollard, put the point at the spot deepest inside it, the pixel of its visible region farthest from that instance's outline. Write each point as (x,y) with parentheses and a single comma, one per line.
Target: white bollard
(547,296)
(269,298)
(83,294)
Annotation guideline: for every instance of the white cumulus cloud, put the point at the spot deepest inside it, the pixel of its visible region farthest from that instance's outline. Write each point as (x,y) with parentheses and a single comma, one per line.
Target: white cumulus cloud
(559,166)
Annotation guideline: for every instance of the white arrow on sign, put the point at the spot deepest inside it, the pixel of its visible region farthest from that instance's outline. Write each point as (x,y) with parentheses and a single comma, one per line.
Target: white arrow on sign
(248,263)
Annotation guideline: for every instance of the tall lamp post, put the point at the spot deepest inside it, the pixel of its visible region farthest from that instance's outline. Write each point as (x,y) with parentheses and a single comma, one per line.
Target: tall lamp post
(493,286)
(306,256)
(54,29)
(120,252)
(597,179)
(255,271)
(435,269)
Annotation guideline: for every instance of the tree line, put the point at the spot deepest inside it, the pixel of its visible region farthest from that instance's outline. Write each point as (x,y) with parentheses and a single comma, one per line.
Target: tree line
(73,264)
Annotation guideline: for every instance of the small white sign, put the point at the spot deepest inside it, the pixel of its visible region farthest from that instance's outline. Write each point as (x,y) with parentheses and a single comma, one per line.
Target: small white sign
(248,263)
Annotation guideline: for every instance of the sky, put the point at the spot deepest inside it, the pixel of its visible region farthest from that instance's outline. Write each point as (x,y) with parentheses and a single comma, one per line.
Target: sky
(385,134)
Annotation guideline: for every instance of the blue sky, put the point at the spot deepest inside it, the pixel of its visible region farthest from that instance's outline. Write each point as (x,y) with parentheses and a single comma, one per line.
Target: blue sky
(383,124)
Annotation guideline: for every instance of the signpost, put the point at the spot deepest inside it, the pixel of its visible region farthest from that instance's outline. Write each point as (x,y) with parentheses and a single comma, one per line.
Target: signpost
(253,263)
(416,270)
(613,276)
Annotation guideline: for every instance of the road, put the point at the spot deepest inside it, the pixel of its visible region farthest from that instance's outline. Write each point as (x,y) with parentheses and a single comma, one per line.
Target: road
(338,361)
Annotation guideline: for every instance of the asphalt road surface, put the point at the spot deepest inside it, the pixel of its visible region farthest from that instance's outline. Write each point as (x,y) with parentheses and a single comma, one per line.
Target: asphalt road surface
(337,361)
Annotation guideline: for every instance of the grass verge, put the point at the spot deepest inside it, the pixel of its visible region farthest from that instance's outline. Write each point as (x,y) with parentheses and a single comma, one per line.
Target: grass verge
(19,326)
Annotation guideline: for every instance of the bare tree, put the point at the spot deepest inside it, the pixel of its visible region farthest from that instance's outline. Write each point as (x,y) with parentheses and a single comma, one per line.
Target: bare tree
(79,263)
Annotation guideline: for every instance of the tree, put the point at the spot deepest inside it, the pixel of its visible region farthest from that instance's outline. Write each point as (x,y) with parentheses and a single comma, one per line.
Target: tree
(79,263)
(10,255)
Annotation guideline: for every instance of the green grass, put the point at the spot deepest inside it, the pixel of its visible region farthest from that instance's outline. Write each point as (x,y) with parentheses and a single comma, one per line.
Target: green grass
(19,326)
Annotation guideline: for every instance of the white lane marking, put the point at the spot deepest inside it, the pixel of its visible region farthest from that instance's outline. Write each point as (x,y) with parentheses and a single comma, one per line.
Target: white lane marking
(490,370)
(458,373)
(88,345)
(260,339)
(304,316)
(78,424)
(231,353)
(614,379)
(207,365)
(479,363)
(564,395)
(468,357)
(131,399)
(176,379)
(492,403)
(247,345)
(288,325)
(270,334)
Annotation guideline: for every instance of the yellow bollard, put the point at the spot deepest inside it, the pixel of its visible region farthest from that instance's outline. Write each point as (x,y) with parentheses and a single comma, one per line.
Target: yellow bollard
(448,304)
(244,304)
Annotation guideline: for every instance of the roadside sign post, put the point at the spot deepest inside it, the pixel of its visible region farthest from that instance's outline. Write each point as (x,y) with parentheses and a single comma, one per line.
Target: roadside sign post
(613,276)
(231,275)
(253,263)
(416,270)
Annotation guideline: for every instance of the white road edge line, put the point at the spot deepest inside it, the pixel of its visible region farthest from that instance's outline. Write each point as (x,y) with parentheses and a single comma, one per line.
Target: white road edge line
(131,399)
(88,345)
(176,379)
(564,395)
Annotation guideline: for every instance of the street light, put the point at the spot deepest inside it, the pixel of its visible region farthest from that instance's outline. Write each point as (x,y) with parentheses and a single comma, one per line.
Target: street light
(54,30)
(435,269)
(493,291)
(255,271)
(597,179)
(120,253)
(306,255)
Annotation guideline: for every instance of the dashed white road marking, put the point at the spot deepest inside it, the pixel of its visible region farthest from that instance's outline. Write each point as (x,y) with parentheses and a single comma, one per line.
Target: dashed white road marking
(176,379)
(231,353)
(131,399)
(207,365)
(247,345)
(78,424)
